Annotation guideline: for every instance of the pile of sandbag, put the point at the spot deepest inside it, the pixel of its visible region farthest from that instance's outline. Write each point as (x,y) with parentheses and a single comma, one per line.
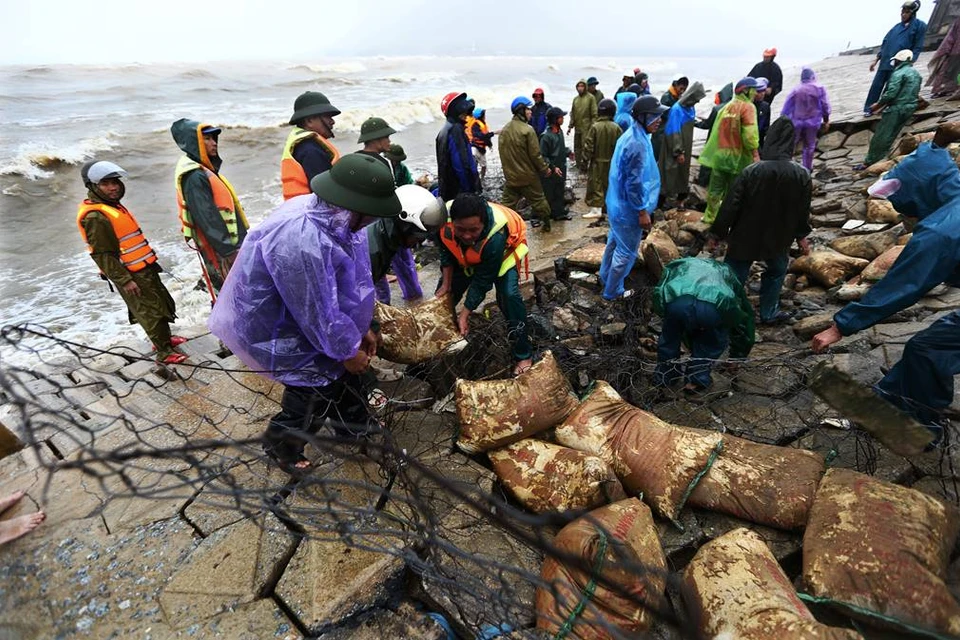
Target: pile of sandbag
(879,551)
(651,457)
(623,568)
(415,335)
(546,477)
(495,413)
(736,590)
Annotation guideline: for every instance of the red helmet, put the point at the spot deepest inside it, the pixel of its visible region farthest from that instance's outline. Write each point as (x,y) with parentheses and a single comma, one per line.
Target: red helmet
(447,99)
(538,91)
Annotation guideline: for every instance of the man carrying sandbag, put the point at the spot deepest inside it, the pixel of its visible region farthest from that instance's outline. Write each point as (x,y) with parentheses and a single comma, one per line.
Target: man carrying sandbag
(481,246)
(278,313)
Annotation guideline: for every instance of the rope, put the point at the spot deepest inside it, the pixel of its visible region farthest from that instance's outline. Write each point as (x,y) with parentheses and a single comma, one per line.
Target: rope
(696,480)
(587,594)
(875,615)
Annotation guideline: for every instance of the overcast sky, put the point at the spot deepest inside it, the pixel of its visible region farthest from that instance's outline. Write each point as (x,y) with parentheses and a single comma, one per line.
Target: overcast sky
(67,31)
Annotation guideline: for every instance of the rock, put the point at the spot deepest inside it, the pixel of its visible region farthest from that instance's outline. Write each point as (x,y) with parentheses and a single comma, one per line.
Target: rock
(783,544)
(867,246)
(946,301)
(580,343)
(585,299)
(587,257)
(672,227)
(881,211)
(831,141)
(855,207)
(405,622)
(859,139)
(566,321)
(881,265)
(855,449)
(407,393)
(685,238)
(908,144)
(812,325)
(658,250)
(831,220)
(612,333)
(833,154)
(758,418)
(820,207)
(829,268)
(879,168)
(766,379)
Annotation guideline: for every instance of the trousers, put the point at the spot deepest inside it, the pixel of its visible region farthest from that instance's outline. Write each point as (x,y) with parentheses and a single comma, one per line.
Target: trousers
(701,324)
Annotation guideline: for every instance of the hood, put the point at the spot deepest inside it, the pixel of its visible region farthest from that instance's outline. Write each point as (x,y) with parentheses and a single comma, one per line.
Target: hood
(807,75)
(625,102)
(929,179)
(186,133)
(779,142)
(581,81)
(726,94)
(694,94)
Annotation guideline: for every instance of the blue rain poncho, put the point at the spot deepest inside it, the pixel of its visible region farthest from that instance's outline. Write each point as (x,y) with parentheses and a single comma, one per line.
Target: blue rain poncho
(300,296)
(625,101)
(634,186)
(930,192)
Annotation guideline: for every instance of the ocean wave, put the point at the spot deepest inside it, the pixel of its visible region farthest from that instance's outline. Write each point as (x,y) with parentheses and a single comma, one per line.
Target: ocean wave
(37,160)
(196,73)
(330,69)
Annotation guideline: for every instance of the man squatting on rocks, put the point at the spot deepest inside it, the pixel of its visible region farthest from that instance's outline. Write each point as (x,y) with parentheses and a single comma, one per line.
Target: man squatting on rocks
(925,189)
(125,258)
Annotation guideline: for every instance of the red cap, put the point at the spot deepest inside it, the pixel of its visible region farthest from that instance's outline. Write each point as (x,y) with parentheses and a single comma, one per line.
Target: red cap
(538,91)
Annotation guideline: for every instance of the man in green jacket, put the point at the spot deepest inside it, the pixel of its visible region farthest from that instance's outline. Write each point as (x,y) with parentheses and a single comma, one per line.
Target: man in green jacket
(522,163)
(598,149)
(702,303)
(898,102)
(583,113)
(554,149)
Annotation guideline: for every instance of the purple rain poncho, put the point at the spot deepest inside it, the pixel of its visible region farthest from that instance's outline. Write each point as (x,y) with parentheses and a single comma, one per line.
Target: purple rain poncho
(807,105)
(300,296)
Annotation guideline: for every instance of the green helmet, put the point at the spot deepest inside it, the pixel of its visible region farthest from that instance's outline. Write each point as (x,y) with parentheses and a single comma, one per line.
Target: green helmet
(312,103)
(359,183)
(374,129)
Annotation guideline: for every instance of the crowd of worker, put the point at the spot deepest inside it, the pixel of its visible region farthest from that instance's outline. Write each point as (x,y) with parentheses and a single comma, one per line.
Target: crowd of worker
(294,296)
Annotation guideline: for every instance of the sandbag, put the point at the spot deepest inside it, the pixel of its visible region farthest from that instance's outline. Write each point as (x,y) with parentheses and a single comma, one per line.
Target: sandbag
(881,211)
(867,246)
(546,477)
(415,335)
(587,257)
(883,549)
(495,413)
(620,544)
(829,268)
(879,267)
(684,215)
(736,590)
(907,145)
(670,227)
(851,292)
(761,483)
(650,456)
(879,168)
(658,251)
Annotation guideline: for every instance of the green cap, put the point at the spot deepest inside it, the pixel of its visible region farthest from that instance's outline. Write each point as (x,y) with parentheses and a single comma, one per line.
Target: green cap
(312,103)
(395,153)
(374,129)
(359,183)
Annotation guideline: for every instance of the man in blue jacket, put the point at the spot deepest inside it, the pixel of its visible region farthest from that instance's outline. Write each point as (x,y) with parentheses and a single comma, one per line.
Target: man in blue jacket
(906,34)
(925,187)
(456,168)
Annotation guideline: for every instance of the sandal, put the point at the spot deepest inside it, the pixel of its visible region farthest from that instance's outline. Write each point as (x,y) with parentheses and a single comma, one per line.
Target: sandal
(177,340)
(174,358)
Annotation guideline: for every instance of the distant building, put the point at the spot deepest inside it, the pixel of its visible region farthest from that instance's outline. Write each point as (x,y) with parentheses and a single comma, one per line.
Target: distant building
(945,12)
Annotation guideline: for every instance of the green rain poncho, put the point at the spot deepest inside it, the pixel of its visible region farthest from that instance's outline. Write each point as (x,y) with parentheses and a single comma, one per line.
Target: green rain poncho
(583,113)
(598,149)
(900,100)
(735,139)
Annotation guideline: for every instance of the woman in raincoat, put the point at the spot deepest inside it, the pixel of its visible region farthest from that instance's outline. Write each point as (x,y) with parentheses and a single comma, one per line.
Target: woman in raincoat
(675,153)
(631,195)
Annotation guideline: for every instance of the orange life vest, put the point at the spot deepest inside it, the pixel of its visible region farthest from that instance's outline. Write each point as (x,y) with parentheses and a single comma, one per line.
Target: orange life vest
(135,251)
(224,197)
(292,175)
(515,252)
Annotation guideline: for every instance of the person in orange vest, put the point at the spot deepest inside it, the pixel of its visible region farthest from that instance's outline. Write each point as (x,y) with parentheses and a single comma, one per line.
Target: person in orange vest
(480,137)
(308,151)
(482,245)
(125,258)
(211,217)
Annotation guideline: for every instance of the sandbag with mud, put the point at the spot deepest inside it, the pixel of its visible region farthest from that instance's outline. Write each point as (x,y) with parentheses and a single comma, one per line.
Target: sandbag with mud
(867,246)
(650,456)
(495,413)
(829,268)
(773,486)
(735,589)
(879,551)
(658,250)
(881,211)
(546,477)
(415,335)
(881,265)
(619,543)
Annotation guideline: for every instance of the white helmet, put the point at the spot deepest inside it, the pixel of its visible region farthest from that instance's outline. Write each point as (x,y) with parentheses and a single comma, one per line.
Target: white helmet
(421,208)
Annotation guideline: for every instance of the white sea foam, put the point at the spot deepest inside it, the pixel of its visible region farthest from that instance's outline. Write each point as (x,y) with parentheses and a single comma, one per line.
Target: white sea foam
(331,68)
(34,160)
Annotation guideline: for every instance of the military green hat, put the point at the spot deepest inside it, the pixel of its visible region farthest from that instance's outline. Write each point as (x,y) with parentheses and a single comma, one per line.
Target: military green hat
(374,129)
(395,153)
(360,183)
(312,103)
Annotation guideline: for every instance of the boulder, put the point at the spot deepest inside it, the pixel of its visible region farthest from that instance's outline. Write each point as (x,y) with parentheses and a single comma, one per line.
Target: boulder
(881,211)
(879,267)
(867,246)
(658,250)
(587,257)
(829,268)
(851,292)
(858,139)
(812,325)
(831,141)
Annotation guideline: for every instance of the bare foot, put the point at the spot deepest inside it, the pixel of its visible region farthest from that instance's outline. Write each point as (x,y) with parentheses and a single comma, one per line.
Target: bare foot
(522,366)
(10,500)
(21,526)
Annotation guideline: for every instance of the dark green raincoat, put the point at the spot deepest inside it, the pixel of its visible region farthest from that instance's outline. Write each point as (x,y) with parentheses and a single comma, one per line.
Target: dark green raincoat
(597,152)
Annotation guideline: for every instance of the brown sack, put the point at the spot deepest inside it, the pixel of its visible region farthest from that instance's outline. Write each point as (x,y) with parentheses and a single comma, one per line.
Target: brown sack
(882,549)
(907,145)
(684,215)
(879,267)
(411,336)
(829,268)
(881,211)
(879,168)
(735,589)
(761,483)
(658,251)
(867,246)
(494,413)
(587,257)
(631,558)
(650,456)
(545,477)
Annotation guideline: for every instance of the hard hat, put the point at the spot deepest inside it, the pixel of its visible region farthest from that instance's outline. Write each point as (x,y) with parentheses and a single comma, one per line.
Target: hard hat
(744,84)
(538,92)
(96,170)
(607,107)
(592,81)
(913,6)
(312,103)
(519,101)
(395,153)
(421,208)
(359,183)
(449,99)
(478,112)
(374,129)
(762,84)
(904,55)
(771,52)
(555,112)
(647,105)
